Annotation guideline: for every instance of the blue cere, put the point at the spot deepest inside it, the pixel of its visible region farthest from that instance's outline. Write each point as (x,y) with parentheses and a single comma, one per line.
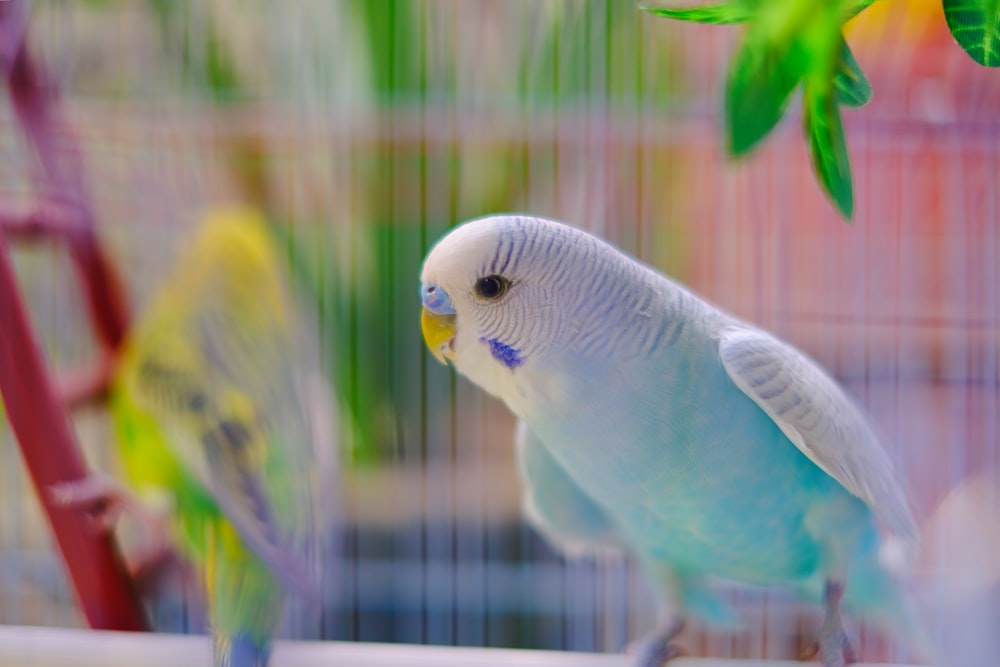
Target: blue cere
(435,300)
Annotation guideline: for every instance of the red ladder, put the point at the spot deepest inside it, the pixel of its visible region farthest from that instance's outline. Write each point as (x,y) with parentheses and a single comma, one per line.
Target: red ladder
(37,405)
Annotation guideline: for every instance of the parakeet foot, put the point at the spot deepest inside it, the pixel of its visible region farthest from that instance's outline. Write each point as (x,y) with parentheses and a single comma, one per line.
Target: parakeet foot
(657,647)
(833,645)
(103,498)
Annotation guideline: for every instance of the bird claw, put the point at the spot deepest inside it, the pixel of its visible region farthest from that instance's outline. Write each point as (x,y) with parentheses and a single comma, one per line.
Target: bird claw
(104,499)
(835,650)
(833,645)
(656,648)
(101,497)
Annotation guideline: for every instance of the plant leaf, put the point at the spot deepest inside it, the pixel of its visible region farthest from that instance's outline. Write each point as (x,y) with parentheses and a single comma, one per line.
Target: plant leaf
(761,80)
(975,24)
(723,14)
(851,83)
(855,8)
(823,126)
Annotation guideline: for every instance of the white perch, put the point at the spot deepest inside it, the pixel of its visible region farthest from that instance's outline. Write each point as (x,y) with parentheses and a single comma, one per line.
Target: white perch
(25,646)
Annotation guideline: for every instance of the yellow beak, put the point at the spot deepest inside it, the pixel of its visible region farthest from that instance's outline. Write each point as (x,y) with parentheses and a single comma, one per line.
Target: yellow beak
(439,330)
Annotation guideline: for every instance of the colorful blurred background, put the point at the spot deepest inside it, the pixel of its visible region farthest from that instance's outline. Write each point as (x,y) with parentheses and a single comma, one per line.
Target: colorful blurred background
(366,128)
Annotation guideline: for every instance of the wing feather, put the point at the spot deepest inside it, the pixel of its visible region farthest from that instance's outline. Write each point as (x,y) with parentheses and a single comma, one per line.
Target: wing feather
(818,417)
(219,361)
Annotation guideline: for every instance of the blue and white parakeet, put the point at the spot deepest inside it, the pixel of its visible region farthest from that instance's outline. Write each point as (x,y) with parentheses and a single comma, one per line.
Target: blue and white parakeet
(652,420)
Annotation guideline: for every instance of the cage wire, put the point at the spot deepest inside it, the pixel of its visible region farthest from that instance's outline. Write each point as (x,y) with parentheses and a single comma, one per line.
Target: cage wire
(367,129)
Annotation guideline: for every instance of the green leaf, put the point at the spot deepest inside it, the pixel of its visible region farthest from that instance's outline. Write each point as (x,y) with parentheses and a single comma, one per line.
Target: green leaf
(821,117)
(851,83)
(855,8)
(761,81)
(975,24)
(725,14)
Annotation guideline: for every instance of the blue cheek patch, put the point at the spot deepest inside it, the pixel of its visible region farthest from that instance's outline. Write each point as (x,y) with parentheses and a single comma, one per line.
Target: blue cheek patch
(505,354)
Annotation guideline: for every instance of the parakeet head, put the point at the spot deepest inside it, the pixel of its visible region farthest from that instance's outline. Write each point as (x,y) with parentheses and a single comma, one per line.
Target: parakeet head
(506,295)
(233,255)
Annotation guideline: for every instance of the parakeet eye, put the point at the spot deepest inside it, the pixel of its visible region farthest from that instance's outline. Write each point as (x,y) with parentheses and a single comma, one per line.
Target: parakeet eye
(492,287)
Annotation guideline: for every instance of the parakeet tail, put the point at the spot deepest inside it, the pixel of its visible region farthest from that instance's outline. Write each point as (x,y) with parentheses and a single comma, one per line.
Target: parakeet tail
(881,598)
(241,650)
(245,600)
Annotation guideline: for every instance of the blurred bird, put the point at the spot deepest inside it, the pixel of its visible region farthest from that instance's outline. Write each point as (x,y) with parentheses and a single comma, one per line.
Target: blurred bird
(210,406)
(654,421)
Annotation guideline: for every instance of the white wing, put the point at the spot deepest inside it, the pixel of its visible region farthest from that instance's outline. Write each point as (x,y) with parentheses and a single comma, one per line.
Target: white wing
(816,415)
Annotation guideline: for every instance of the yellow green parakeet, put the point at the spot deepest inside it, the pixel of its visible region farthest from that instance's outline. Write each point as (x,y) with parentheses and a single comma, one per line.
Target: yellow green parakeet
(209,408)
